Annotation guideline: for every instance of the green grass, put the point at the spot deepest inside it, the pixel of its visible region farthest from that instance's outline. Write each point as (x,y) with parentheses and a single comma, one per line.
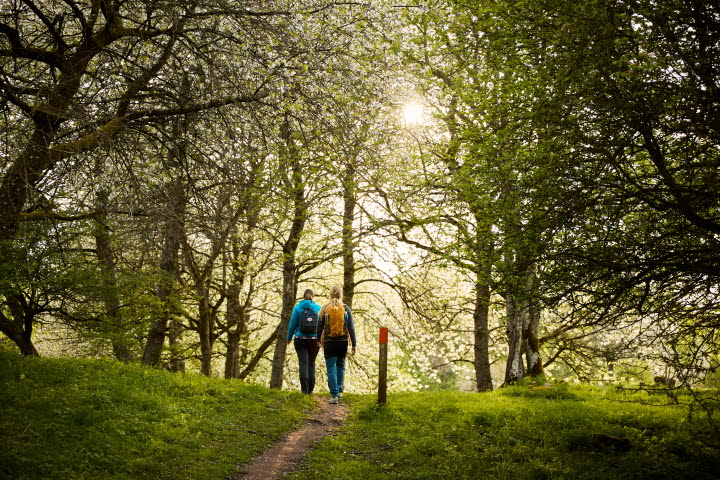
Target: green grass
(520,432)
(95,419)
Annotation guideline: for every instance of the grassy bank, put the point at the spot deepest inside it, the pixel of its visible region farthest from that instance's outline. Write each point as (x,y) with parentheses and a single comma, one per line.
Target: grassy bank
(520,432)
(92,419)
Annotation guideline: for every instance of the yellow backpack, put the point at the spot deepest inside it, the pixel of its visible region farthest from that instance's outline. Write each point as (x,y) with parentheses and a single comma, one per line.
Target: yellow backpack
(335,315)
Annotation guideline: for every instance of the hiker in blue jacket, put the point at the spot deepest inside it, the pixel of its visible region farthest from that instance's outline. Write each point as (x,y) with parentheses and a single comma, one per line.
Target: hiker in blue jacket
(303,325)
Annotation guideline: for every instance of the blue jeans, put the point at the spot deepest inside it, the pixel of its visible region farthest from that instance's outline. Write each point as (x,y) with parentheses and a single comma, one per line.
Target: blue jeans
(335,353)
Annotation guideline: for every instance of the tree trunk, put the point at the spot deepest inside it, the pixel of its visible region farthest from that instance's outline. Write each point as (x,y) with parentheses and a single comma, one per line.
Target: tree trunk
(481,314)
(36,158)
(232,355)
(237,319)
(19,328)
(201,278)
(532,344)
(348,243)
(17,182)
(235,327)
(288,303)
(523,322)
(237,311)
(531,324)
(293,181)
(174,226)
(485,249)
(23,341)
(258,356)
(177,361)
(205,329)
(173,237)
(514,369)
(106,257)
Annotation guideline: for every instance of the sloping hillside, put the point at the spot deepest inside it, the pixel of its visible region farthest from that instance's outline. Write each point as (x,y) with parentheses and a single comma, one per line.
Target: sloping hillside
(95,419)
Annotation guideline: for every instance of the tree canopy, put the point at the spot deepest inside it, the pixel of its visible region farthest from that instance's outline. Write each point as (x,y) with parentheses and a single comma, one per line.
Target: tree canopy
(174,173)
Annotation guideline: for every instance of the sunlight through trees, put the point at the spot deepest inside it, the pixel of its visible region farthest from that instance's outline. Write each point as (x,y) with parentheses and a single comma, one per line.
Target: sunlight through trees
(515,189)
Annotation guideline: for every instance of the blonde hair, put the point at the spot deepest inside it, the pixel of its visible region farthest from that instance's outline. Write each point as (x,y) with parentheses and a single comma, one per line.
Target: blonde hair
(336,295)
(335,298)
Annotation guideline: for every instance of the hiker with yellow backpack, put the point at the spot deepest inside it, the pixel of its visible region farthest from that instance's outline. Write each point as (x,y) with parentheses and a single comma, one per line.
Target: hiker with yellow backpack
(335,333)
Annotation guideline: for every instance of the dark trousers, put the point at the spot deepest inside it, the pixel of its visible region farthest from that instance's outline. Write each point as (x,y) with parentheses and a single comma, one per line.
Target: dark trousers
(307,350)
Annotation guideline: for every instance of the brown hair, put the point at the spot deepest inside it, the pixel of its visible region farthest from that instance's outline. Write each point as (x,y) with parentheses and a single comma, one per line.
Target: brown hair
(308,295)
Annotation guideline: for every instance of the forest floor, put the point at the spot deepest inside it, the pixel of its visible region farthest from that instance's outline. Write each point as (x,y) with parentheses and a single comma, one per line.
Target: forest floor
(282,456)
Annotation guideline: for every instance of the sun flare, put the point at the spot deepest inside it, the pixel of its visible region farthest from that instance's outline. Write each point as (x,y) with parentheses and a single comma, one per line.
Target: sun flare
(412,113)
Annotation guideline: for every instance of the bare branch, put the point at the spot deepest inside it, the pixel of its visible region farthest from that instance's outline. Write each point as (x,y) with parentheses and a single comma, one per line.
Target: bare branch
(51,28)
(18,50)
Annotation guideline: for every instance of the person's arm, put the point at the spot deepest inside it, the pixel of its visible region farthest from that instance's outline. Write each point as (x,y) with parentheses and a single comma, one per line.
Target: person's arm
(351,328)
(321,325)
(294,317)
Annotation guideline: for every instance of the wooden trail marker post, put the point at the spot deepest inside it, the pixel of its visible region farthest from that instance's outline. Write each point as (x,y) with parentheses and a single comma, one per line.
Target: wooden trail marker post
(382,380)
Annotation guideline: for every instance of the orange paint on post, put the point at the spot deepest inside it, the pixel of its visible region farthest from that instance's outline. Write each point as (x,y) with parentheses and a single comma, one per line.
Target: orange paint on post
(383,335)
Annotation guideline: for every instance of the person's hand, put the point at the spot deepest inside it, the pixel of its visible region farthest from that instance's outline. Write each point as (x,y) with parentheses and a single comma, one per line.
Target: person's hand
(352,352)
(289,341)
(320,344)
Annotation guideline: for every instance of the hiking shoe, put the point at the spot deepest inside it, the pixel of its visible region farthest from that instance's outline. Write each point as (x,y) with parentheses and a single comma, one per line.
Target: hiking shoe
(333,400)
(340,395)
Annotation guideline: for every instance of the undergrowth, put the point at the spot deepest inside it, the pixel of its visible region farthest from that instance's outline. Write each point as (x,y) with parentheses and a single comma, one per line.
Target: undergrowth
(98,419)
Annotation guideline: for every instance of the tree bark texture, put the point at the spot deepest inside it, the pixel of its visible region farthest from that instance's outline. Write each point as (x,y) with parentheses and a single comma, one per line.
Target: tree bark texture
(175,334)
(293,180)
(173,235)
(106,257)
(530,328)
(481,315)
(237,310)
(236,328)
(523,319)
(289,295)
(348,242)
(205,329)
(485,249)
(19,327)
(514,369)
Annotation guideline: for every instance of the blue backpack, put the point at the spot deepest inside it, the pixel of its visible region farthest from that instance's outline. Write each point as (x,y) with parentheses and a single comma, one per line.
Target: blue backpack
(308,322)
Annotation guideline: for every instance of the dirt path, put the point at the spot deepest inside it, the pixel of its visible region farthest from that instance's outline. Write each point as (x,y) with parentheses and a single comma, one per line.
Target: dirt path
(284,454)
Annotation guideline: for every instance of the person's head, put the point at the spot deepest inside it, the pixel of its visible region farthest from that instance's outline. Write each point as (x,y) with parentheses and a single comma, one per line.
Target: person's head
(336,295)
(336,292)
(308,295)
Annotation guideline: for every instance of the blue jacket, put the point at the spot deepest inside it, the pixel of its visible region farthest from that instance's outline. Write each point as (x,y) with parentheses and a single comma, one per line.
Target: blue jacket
(295,319)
